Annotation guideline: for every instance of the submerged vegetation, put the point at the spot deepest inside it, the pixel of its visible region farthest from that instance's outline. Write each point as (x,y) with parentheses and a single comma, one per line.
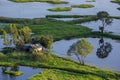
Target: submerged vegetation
(60,9)
(82,6)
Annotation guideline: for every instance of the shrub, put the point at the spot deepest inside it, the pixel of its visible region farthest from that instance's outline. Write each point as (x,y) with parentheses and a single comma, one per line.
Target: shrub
(2,56)
(46,41)
(40,56)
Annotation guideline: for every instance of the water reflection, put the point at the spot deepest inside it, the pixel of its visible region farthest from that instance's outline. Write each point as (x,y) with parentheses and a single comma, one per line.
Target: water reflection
(104,48)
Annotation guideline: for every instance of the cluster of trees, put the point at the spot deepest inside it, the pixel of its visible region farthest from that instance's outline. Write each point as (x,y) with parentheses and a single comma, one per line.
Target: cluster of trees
(21,35)
(18,35)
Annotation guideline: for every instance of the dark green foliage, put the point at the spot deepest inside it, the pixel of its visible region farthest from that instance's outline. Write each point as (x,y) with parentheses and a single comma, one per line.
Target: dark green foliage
(69,16)
(40,56)
(86,19)
(46,41)
(105,19)
(116,1)
(6,50)
(102,15)
(14,20)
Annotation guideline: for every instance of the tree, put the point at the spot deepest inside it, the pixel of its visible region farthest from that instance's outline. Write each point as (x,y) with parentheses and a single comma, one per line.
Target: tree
(104,17)
(25,33)
(46,41)
(81,49)
(14,33)
(6,42)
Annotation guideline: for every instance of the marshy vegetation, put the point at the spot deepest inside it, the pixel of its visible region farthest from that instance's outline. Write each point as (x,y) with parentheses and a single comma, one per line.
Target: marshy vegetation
(53,64)
(82,6)
(56,9)
(48,1)
(14,73)
(57,30)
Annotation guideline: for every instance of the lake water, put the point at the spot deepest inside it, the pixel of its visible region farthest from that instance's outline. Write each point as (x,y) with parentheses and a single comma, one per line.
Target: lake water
(27,72)
(113,27)
(39,9)
(112,59)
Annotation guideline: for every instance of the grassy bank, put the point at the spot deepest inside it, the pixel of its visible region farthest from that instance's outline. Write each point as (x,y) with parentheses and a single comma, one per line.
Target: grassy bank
(48,1)
(55,74)
(59,65)
(82,6)
(57,9)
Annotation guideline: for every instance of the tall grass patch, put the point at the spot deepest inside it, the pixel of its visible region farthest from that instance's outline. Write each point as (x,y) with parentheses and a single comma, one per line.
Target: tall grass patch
(57,9)
(82,6)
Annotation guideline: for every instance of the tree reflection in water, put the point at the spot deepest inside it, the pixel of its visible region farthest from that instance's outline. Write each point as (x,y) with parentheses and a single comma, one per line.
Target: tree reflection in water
(104,49)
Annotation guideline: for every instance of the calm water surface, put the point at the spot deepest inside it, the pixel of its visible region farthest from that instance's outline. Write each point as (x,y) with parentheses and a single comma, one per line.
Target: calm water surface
(39,9)
(61,47)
